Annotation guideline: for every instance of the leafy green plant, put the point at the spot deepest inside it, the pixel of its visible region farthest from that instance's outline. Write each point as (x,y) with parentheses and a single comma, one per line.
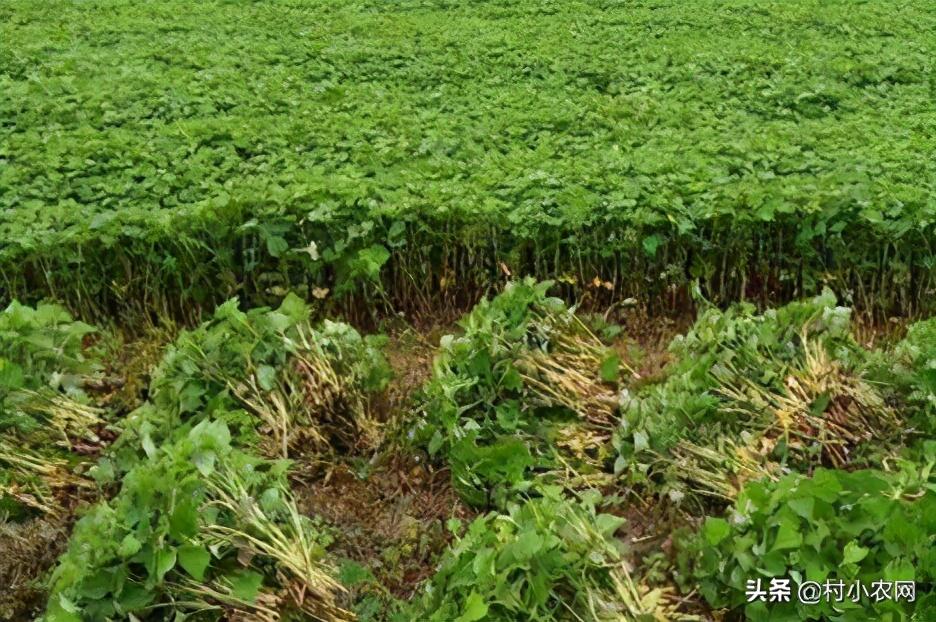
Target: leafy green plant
(545,558)
(753,394)
(908,372)
(763,151)
(763,170)
(308,386)
(526,370)
(44,410)
(43,366)
(833,526)
(199,525)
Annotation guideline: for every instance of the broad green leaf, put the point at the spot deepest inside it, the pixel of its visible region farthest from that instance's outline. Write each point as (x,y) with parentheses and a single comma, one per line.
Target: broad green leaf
(715,530)
(129,546)
(165,561)
(609,367)
(276,245)
(183,522)
(527,545)
(854,553)
(195,560)
(245,584)
(11,375)
(788,536)
(266,377)
(61,609)
(204,461)
(475,609)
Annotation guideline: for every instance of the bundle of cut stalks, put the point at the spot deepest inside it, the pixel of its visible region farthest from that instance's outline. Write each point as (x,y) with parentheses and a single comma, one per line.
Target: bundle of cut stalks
(37,472)
(310,587)
(617,595)
(266,606)
(721,472)
(823,414)
(566,370)
(37,478)
(64,420)
(310,405)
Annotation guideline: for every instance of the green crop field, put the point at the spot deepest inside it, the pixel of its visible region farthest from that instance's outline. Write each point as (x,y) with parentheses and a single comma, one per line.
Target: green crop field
(467,311)
(184,152)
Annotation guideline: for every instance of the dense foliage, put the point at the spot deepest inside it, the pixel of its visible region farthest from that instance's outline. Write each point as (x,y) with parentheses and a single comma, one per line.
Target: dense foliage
(525,377)
(44,408)
(775,444)
(42,357)
(198,526)
(308,384)
(202,522)
(242,170)
(754,395)
(908,372)
(866,526)
(765,148)
(546,558)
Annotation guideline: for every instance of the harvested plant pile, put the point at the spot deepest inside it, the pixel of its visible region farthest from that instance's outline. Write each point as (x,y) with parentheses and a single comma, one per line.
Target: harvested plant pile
(48,425)
(204,520)
(756,395)
(525,378)
(773,443)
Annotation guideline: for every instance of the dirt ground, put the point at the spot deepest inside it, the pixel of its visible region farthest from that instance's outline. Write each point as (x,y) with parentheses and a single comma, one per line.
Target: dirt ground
(389,510)
(391,521)
(27,550)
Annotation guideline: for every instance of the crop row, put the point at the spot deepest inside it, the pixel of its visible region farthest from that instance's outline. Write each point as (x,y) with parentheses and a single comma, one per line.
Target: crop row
(425,148)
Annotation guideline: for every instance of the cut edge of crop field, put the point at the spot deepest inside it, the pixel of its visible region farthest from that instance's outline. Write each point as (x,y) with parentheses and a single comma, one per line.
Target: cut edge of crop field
(183,270)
